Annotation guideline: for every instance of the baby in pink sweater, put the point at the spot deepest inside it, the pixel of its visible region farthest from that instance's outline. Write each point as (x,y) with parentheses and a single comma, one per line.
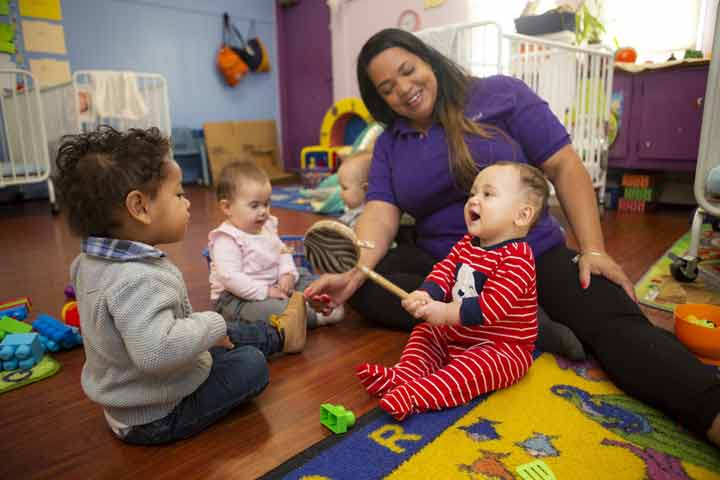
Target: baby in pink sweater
(252,275)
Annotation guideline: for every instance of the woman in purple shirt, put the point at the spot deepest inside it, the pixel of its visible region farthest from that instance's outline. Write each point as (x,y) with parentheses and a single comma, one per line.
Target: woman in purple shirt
(442,126)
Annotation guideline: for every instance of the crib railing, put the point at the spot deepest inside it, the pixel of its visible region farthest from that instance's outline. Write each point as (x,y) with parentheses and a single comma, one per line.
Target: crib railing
(576,82)
(24,156)
(152,88)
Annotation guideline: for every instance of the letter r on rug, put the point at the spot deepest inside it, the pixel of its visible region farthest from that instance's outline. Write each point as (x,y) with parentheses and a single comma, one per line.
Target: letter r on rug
(396,434)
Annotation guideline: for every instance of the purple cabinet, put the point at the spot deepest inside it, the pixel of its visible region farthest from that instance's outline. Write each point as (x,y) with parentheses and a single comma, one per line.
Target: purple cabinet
(660,118)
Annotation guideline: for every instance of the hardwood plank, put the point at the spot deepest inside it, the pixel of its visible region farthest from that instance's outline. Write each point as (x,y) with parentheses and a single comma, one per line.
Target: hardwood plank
(51,430)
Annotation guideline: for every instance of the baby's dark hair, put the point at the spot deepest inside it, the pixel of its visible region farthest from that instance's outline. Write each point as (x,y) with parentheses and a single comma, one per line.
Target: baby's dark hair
(96,171)
(235,172)
(536,186)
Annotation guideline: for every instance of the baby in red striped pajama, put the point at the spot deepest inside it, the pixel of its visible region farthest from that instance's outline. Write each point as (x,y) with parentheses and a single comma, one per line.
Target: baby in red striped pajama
(479,304)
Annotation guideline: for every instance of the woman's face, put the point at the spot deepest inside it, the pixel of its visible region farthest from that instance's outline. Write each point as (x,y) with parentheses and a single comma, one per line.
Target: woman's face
(406,83)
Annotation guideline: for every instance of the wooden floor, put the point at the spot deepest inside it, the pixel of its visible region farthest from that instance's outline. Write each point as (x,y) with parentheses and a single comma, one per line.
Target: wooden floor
(51,430)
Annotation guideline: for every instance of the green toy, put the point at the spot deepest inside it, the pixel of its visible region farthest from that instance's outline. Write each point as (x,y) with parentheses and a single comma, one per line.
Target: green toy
(703,322)
(336,417)
(10,325)
(535,470)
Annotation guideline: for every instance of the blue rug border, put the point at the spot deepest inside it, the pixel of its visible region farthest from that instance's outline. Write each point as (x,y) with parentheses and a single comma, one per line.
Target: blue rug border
(318,448)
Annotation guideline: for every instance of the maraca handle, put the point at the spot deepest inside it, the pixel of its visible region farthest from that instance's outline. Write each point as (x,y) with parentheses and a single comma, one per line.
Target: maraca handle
(384,282)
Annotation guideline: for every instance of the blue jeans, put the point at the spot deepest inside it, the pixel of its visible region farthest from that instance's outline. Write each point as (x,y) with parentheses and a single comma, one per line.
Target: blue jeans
(237,376)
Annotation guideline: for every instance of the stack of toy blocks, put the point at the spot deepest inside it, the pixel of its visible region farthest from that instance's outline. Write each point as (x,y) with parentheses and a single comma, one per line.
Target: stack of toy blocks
(21,350)
(55,335)
(17,308)
(638,194)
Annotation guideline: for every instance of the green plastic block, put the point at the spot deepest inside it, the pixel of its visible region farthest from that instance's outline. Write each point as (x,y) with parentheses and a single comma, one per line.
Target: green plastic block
(10,325)
(336,417)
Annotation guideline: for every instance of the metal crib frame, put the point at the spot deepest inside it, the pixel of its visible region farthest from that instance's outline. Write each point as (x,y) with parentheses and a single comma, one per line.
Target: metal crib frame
(685,268)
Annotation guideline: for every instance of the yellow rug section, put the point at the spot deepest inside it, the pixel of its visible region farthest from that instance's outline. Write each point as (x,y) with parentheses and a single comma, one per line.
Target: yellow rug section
(576,421)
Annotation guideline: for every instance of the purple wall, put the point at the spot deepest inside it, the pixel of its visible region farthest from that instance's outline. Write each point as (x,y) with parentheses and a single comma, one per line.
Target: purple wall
(305,69)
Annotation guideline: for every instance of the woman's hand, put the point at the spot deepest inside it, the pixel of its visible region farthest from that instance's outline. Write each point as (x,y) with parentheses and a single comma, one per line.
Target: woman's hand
(286,284)
(331,290)
(415,300)
(600,263)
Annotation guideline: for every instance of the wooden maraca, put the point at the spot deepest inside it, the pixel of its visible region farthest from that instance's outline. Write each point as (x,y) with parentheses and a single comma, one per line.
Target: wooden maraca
(333,247)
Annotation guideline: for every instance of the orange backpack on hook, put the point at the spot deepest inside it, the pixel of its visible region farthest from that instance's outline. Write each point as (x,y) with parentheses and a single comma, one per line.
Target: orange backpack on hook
(230,64)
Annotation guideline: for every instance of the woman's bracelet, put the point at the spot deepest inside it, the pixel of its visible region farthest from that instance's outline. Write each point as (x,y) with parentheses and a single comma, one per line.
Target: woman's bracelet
(593,253)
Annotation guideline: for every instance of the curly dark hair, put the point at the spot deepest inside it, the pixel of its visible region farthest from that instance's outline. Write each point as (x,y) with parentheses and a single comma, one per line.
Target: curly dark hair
(96,171)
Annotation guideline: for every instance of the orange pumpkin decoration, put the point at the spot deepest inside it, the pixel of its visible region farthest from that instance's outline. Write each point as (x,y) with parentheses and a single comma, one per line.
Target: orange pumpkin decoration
(626,54)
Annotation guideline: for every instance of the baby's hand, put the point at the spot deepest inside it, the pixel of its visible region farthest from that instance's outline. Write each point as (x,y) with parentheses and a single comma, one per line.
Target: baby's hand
(225,343)
(287,284)
(415,300)
(275,292)
(440,313)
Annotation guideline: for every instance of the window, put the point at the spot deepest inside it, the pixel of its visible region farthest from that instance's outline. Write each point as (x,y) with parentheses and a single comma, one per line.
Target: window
(655,28)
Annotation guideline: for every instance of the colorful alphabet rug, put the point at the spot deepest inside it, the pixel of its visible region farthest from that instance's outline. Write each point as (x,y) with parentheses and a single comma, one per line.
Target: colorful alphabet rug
(567,415)
(660,290)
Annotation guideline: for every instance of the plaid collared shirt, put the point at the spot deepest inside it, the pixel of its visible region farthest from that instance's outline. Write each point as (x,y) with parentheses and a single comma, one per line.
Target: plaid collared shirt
(120,250)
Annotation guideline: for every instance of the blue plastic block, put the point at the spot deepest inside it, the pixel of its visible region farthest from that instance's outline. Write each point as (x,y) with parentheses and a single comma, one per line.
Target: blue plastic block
(49,345)
(18,313)
(57,332)
(20,350)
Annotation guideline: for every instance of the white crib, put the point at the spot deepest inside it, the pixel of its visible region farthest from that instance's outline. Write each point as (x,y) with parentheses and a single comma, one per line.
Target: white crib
(24,156)
(685,268)
(151,86)
(35,119)
(576,82)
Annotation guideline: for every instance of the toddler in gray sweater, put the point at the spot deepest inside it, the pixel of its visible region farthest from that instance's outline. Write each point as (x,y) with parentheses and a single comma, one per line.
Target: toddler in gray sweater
(160,371)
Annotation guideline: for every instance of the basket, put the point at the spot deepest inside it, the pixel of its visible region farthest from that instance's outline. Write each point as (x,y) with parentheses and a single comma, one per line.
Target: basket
(548,22)
(297,244)
(294,242)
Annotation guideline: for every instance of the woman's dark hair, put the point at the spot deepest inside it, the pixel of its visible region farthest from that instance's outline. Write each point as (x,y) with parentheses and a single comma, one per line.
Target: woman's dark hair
(453,83)
(96,171)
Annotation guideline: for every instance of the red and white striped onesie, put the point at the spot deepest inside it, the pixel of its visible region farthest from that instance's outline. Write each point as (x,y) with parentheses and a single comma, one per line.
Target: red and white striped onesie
(446,366)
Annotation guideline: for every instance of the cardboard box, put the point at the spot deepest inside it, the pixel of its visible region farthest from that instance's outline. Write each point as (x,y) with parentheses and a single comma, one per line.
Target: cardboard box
(244,140)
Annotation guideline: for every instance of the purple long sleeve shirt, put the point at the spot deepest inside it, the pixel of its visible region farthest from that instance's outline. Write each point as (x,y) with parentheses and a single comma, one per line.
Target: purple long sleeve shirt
(411,171)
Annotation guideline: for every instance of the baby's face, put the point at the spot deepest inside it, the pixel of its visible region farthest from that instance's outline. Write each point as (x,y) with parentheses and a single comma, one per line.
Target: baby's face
(494,204)
(169,209)
(250,208)
(352,187)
